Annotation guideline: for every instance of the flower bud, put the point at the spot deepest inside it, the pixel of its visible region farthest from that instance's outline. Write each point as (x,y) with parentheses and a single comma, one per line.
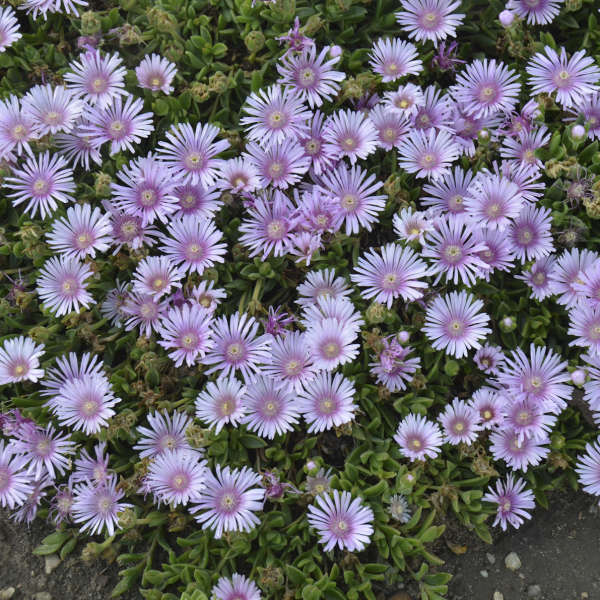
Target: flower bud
(578,132)
(578,376)
(507,18)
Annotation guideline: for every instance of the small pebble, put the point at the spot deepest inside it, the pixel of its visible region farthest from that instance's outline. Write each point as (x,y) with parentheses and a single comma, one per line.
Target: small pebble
(498,596)
(491,558)
(42,596)
(483,573)
(7,593)
(51,562)
(534,591)
(512,561)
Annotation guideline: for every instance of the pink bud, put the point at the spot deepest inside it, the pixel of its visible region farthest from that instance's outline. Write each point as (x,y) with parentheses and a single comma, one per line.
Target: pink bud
(403,337)
(506,18)
(578,132)
(335,51)
(578,376)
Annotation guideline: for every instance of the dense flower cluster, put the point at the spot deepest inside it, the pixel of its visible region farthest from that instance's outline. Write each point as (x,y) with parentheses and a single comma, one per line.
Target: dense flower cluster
(304,181)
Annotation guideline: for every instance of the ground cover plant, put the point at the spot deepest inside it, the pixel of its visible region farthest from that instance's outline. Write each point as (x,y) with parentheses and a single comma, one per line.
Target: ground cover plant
(287,287)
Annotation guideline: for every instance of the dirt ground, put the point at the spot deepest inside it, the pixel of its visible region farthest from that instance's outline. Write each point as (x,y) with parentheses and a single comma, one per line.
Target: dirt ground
(558,550)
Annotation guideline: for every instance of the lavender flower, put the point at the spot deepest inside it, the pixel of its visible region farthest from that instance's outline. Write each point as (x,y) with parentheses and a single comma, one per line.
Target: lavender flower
(418,438)
(156,73)
(460,422)
(537,12)
(9,28)
(20,360)
(513,502)
(165,434)
(350,134)
(428,155)
(588,468)
(222,402)
(429,19)
(238,587)
(393,58)
(15,483)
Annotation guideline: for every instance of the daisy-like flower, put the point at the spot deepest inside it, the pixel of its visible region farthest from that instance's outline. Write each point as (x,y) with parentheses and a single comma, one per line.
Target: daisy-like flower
(193,244)
(97,507)
(176,477)
(17,129)
(191,152)
(340,309)
(76,146)
(350,134)
(584,324)
(493,201)
(327,401)
(185,331)
(588,285)
(9,28)
(20,360)
(520,151)
(85,405)
(15,483)
(148,191)
(488,358)
(145,311)
(455,249)
(45,450)
(44,7)
(290,360)
(341,521)
(572,79)
(592,386)
(121,124)
(587,110)
(156,276)
(541,377)
(310,75)
(96,78)
(156,73)
(429,19)
(447,194)
(418,438)
(567,274)
(331,344)
(537,12)
(237,347)
(405,100)
(270,406)
(460,422)
(392,367)
(221,402)
(513,500)
(588,468)
(399,509)
(428,154)
(391,126)
(165,434)
(236,588)
(83,232)
(94,469)
(489,404)
(238,175)
(435,111)
(274,115)
(454,323)
(229,501)
(52,109)
(538,277)
(129,230)
(42,182)
(518,453)
(207,296)
(394,58)
(70,367)
(527,419)
(530,234)
(28,510)
(280,164)
(320,284)
(498,252)
(393,272)
(197,201)
(61,285)
(322,156)
(353,192)
(486,87)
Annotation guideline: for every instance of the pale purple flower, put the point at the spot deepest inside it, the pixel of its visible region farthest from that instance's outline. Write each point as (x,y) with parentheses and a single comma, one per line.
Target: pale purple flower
(275,114)
(488,358)
(341,521)
(588,285)
(176,477)
(322,155)
(290,362)
(418,438)
(239,175)
(70,367)
(405,100)
(15,483)
(538,277)
(129,230)
(97,507)
(280,164)
(94,469)
(17,129)
(76,146)
(271,407)
(572,79)
(207,296)
(156,73)
(222,402)
(166,433)
(393,368)
(120,123)
(156,276)
(448,193)
(27,512)
(97,79)
(82,233)
(454,323)
(527,419)
(520,151)
(391,126)
(296,40)
(310,75)
(45,7)
(428,155)
(536,12)
(191,151)
(61,285)
(9,28)
(394,58)
(513,500)
(498,252)
(52,109)
(238,587)
(567,274)
(42,183)
(435,112)
(493,201)
(489,405)
(229,501)
(327,401)
(328,307)
(587,110)
(145,311)
(584,324)
(20,360)
(518,453)
(331,344)
(429,19)
(350,134)
(460,422)
(393,272)
(237,347)
(588,468)
(530,234)
(185,332)
(320,284)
